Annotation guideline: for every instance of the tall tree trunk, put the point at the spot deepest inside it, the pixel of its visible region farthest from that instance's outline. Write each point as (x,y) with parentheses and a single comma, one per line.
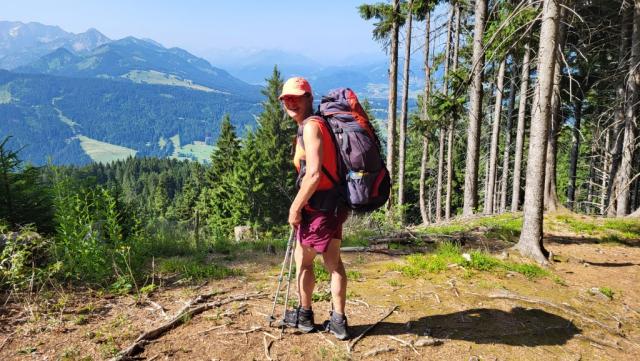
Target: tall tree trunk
(522,109)
(530,243)
(606,161)
(426,218)
(551,201)
(456,45)
(403,113)
(507,140)
(619,118)
(393,95)
(475,112)
(575,152)
(439,178)
(495,136)
(631,99)
(424,213)
(445,89)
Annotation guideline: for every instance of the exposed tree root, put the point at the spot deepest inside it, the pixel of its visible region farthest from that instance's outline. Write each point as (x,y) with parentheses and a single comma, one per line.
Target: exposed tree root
(516,297)
(185,313)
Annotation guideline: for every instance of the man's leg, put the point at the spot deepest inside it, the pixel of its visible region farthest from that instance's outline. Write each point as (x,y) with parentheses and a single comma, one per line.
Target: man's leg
(304,274)
(335,267)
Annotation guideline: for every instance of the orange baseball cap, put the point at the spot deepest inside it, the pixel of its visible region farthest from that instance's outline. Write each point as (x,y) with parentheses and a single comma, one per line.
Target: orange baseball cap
(295,86)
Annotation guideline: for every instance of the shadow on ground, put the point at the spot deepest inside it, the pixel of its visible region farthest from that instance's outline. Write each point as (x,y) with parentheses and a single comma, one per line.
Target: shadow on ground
(519,327)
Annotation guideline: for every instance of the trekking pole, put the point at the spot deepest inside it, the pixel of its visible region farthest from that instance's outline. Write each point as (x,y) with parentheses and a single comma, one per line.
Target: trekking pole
(286,297)
(270,318)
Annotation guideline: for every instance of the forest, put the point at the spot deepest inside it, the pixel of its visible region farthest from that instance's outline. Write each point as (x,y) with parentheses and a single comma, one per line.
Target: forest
(511,233)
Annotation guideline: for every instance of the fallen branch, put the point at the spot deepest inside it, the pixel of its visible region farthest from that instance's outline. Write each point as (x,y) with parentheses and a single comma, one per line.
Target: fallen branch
(241,332)
(379,350)
(270,335)
(199,299)
(267,347)
(352,344)
(179,319)
(211,329)
(405,344)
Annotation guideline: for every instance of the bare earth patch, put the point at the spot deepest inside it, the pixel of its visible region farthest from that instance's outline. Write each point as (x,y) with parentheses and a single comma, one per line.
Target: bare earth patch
(588,308)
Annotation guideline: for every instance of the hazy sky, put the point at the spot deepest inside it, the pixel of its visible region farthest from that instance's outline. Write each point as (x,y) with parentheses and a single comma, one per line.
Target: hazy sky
(306,27)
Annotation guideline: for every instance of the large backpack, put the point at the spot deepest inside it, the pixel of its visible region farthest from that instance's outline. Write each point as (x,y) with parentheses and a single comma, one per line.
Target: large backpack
(364,180)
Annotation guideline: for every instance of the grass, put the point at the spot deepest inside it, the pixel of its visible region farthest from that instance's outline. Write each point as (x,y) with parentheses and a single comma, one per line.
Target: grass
(607,292)
(156,77)
(194,268)
(505,227)
(449,253)
(104,152)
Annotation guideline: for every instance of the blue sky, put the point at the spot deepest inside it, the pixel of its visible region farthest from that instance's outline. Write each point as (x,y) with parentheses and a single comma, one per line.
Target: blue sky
(304,27)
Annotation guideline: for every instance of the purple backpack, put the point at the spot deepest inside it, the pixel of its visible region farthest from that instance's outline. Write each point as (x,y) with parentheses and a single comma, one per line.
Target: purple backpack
(364,181)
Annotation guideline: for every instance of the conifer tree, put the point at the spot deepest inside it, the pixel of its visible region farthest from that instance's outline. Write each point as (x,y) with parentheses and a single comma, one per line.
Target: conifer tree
(224,156)
(214,201)
(274,139)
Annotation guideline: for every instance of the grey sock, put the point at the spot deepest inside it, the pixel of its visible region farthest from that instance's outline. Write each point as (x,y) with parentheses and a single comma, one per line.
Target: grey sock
(337,317)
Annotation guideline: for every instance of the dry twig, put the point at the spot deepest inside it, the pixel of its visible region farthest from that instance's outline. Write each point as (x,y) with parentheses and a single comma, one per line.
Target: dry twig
(241,332)
(267,347)
(405,344)
(379,350)
(211,329)
(352,344)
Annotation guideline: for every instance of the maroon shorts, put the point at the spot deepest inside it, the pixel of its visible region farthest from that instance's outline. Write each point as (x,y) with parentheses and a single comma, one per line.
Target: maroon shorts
(318,228)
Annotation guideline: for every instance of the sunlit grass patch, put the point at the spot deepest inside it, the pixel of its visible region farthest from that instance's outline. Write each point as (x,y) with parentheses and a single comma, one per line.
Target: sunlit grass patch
(607,292)
(504,226)
(195,269)
(446,253)
(449,253)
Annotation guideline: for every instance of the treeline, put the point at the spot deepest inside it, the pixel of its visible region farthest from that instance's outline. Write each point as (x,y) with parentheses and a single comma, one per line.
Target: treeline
(537,109)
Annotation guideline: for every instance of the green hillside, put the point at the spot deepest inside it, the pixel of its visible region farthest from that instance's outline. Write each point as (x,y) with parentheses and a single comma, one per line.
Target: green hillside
(47,114)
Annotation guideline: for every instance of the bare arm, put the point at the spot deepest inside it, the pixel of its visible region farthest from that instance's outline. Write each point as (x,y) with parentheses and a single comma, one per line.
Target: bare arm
(313,154)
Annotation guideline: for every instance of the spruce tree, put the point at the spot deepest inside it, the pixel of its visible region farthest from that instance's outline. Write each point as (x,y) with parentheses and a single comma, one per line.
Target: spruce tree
(226,151)
(274,139)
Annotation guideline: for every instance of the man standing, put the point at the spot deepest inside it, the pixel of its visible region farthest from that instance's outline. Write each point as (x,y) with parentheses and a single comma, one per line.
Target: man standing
(316,212)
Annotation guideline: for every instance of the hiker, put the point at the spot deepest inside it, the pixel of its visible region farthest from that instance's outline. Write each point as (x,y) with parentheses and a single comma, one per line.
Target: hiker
(316,213)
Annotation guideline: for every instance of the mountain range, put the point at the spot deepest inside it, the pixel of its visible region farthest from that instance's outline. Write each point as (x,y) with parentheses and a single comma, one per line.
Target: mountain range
(76,98)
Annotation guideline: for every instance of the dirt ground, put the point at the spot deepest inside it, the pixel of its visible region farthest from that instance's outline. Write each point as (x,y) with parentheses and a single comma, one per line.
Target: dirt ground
(472,316)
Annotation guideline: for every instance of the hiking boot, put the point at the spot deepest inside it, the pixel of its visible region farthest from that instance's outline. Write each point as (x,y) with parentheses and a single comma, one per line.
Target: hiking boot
(337,325)
(299,318)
